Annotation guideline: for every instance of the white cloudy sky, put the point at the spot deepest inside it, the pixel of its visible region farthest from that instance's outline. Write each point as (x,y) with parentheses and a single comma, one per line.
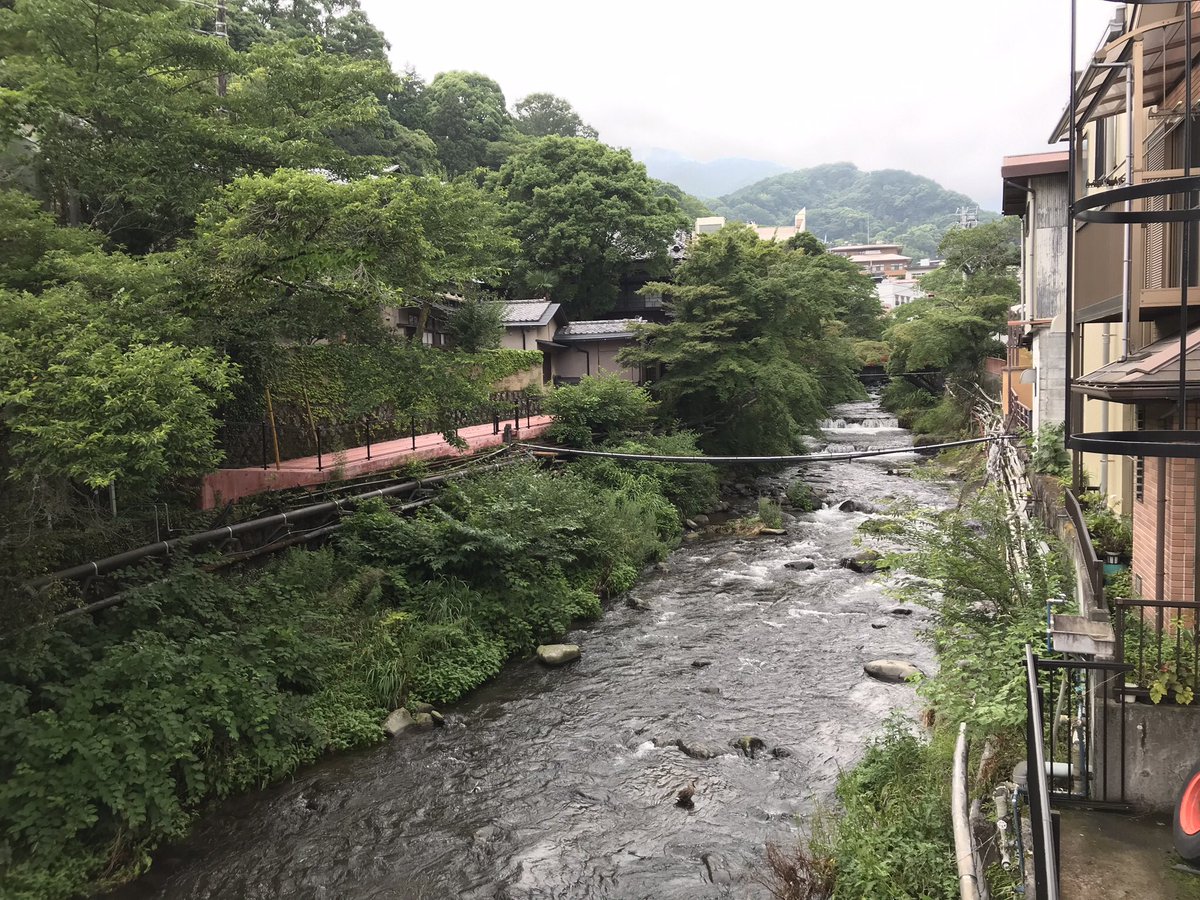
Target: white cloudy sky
(944,88)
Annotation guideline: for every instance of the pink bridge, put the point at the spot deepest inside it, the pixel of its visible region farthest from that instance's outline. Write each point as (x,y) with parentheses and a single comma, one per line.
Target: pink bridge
(227,485)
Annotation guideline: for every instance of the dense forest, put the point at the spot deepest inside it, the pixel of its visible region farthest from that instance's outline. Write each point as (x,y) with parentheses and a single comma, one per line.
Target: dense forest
(843,201)
(187,223)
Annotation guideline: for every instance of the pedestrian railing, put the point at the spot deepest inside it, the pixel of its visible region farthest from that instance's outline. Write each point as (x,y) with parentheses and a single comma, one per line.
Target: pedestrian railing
(264,442)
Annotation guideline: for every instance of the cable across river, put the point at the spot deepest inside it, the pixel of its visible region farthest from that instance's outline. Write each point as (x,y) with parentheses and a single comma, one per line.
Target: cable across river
(723,460)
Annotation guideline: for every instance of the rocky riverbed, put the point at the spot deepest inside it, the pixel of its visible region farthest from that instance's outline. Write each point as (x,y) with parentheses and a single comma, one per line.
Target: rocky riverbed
(735,670)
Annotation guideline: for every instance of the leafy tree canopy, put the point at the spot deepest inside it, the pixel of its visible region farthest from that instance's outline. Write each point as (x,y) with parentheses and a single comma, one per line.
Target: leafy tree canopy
(130,134)
(581,212)
(753,354)
(341,25)
(295,257)
(542,115)
(468,121)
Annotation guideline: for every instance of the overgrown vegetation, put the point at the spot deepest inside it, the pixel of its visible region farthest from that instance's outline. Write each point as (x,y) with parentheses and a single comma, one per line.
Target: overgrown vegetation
(801,497)
(203,685)
(892,836)
(943,339)
(1050,456)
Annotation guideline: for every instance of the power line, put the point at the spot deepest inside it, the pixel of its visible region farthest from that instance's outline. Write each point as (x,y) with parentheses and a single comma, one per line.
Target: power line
(730,460)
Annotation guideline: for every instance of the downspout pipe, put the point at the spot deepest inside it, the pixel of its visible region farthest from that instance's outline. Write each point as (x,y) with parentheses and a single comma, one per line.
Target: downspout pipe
(1127,261)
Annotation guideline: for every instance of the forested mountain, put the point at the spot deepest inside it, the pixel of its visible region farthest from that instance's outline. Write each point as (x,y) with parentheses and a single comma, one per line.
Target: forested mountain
(902,207)
(706,179)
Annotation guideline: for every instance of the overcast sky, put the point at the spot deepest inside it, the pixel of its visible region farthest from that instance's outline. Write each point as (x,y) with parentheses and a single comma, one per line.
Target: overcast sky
(944,88)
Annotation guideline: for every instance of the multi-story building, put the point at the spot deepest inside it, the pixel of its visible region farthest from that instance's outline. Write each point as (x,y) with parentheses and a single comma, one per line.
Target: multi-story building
(1133,296)
(877,260)
(1034,389)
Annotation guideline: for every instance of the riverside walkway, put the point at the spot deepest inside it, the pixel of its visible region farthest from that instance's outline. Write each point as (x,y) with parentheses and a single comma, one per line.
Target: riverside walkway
(226,485)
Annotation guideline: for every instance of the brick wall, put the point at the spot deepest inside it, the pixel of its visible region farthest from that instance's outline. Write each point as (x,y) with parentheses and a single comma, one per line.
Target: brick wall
(1177,488)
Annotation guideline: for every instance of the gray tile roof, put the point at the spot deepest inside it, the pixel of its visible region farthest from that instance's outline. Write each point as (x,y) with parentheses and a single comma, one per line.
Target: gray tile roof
(597,329)
(527,312)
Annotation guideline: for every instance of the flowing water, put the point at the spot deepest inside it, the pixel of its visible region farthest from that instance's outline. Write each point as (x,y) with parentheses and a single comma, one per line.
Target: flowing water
(561,783)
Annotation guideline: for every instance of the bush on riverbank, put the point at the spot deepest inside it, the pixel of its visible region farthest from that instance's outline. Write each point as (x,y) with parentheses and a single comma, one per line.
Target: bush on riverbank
(116,728)
(894,837)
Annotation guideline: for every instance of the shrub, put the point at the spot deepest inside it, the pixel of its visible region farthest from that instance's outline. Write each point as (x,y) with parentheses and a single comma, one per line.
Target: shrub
(602,409)
(801,496)
(1050,455)
(692,487)
(769,513)
(948,417)
(902,396)
(895,838)
(985,612)
(1110,533)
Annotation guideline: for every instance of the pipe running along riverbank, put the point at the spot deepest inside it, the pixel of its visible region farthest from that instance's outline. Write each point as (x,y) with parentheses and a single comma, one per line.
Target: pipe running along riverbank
(733,460)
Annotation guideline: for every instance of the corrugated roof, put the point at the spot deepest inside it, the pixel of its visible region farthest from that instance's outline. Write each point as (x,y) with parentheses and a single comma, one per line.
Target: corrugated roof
(1151,374)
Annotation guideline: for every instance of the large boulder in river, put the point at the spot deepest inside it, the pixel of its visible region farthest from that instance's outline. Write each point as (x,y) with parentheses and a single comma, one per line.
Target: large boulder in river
(397,721)
(700,749)
(800,565)
(891,670)
(558,654)
(858,506)
(864,561)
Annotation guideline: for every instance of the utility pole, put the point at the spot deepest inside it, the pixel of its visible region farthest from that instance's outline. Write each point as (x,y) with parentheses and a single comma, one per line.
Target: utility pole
(223,33)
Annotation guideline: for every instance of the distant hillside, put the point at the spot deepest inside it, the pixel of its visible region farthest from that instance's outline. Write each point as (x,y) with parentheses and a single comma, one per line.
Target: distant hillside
(706,179)
(903,207)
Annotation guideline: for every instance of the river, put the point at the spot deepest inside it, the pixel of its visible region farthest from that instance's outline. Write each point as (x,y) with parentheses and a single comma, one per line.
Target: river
(561,783)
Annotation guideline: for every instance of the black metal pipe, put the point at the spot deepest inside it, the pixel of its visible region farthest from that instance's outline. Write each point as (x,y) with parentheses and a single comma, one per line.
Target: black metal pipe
(368,437)
(1185,255)
(1069,294)
(206,538)
(319,461)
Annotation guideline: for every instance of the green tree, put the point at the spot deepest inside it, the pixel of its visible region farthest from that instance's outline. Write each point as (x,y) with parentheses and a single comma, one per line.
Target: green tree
(28,235)
(118,95)
(951,334)
(130,133)
(542,115)
(468,121)
(341,25)
(295,257)
(753,354)
(582,212)
(92,393)
(476,324)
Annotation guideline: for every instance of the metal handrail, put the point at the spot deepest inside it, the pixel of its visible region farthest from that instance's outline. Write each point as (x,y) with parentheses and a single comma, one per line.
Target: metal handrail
(1045,857)
(1091,558)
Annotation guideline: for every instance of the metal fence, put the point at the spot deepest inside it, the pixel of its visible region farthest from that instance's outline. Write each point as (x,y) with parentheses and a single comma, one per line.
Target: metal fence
(1083,725)
(1045,843)
(1158,640)
(259,443)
